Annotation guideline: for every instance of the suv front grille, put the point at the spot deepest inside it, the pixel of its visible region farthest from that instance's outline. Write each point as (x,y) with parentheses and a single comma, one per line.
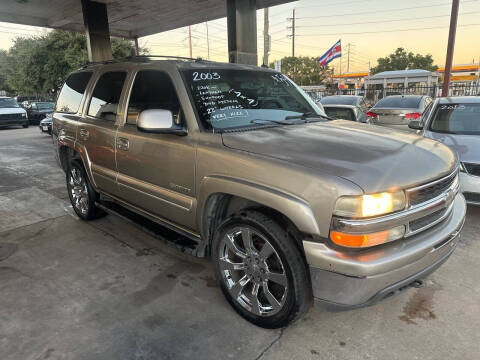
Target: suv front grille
(10,116)
(472,169)
(428,192)
(427,220)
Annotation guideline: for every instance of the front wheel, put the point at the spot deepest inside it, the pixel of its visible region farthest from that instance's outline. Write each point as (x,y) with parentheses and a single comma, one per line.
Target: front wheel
(81,193)
(260,270)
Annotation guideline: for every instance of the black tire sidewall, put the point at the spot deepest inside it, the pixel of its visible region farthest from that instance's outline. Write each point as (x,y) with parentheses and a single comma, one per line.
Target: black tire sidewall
(283,244)
(92,195)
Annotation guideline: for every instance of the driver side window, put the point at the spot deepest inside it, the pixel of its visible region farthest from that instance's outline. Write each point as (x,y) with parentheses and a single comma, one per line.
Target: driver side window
(152,89)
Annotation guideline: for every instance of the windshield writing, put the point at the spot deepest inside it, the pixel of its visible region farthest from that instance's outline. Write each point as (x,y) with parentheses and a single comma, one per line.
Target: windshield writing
(239,98)
(457,119)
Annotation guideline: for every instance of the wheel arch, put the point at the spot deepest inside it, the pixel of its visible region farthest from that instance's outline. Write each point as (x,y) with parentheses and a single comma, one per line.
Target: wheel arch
(220,197)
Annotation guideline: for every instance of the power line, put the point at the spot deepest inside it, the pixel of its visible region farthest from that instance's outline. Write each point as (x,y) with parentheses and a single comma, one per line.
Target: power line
(386,21)
(386,31)
(383,11)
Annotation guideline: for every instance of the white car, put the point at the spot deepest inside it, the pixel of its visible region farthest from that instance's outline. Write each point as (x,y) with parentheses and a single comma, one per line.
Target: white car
(455,122)
(11,113)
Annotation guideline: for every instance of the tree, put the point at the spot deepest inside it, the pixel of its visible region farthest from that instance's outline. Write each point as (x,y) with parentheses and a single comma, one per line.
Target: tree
(40,64)
(402,60)
(305,70)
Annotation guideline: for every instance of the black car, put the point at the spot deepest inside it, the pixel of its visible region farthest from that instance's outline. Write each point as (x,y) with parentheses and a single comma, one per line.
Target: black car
(37,111)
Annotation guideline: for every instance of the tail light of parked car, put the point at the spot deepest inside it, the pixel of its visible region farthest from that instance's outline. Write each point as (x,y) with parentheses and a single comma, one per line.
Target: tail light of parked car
(371,114)
(412,116)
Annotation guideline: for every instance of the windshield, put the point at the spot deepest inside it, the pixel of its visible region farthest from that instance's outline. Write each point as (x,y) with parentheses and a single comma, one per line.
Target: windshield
(399,102)
(457,119)
(227,99)
(8,103)
(340,100)
(45,105)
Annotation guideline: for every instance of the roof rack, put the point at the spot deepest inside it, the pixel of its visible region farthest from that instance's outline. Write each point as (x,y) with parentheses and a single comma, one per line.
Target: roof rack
(140,58)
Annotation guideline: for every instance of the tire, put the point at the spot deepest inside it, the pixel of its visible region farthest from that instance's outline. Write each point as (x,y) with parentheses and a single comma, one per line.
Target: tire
(25,125)
(80,191)
(270,266)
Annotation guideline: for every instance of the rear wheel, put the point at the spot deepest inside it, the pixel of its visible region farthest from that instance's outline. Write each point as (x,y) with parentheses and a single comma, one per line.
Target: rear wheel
(25,125)
(260,270)
(81,193)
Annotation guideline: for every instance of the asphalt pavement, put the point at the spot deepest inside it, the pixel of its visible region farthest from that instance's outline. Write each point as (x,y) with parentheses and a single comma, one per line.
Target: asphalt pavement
(104,289)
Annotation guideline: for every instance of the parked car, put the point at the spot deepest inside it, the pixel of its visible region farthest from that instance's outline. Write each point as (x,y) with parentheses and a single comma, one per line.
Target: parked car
(455,122)
(288,206)
(37,111)
(398,110)
(11,114)
(347,107)
(46,125)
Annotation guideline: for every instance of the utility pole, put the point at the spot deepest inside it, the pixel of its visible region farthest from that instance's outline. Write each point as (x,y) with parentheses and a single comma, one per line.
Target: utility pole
(293,34)
(450,47)
(348,57)
(208,42)
(266,37)
(190,40)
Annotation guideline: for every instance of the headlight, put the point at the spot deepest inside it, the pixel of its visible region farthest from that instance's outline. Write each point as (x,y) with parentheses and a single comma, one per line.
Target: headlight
(370,205)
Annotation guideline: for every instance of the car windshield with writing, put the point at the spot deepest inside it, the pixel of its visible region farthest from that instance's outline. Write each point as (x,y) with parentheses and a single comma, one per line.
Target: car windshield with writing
(462,119)
(8,103)
(234,99)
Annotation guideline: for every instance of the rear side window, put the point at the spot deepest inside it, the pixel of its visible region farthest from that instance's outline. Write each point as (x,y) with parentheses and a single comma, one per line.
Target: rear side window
(398,102)
(106,96)
(152,89)
(72,92)
(340,113)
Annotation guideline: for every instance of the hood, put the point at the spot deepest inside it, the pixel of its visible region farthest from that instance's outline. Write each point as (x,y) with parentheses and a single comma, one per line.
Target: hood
(375,158)
(467,147)
(13,110)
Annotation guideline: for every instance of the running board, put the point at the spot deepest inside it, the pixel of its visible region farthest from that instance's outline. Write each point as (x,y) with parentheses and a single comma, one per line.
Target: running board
(168,234)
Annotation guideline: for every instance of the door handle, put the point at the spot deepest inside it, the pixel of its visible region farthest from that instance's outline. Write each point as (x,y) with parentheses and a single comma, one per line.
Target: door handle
(84,134)
(123,144)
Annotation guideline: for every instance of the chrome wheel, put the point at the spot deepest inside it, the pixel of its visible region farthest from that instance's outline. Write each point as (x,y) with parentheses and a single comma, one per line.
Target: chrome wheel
(253,271)
(78,190)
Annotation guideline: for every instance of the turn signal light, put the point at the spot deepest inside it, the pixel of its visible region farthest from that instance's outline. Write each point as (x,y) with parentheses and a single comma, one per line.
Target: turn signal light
(367,240)
(371,114)
(413,116)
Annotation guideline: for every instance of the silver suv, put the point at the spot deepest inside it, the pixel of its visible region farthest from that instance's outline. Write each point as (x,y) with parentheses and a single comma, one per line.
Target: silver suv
(288,205)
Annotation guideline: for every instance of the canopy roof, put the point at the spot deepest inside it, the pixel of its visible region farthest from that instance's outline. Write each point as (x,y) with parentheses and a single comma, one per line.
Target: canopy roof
(127,18)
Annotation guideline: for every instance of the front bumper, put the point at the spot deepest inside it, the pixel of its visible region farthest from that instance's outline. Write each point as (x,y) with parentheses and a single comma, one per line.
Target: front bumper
(359,278)
(48,128)
(470,186)
(13,122)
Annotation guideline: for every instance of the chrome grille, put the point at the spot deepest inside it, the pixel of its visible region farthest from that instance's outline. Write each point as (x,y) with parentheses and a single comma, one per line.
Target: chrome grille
(472,169)
(423,222)
(427,192)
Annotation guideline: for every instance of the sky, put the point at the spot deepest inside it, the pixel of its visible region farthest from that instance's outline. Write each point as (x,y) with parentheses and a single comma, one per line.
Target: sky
(373,28)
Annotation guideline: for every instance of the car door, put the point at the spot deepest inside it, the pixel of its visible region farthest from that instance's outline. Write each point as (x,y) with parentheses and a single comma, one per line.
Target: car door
(156,171)
(68,108)
(97,131)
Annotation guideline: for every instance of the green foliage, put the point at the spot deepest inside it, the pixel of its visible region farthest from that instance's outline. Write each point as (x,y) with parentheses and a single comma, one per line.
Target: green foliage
(305,70)
(402,60)
(40,64)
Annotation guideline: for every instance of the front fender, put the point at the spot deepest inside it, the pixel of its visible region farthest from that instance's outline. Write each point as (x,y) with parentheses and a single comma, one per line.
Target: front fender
(294,208)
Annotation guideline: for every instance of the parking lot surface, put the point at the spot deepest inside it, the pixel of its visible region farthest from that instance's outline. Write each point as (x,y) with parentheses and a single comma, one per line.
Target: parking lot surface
(106,290)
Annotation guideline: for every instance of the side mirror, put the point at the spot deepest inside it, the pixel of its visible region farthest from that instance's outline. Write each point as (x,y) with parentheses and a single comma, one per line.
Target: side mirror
(159,121)
(415,125)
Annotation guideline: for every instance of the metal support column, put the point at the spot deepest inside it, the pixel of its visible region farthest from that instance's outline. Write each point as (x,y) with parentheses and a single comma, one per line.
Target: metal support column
(242,31)
(95,20)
